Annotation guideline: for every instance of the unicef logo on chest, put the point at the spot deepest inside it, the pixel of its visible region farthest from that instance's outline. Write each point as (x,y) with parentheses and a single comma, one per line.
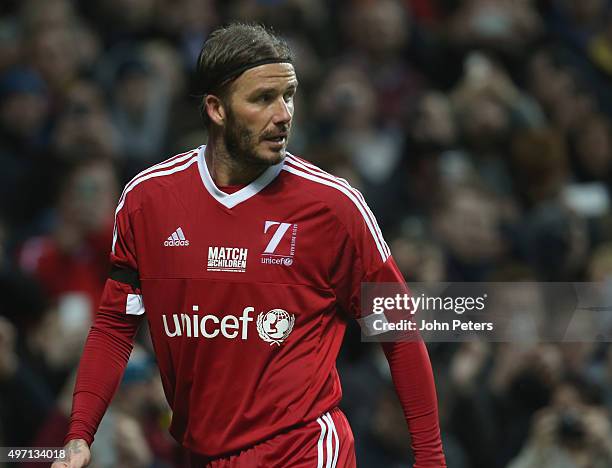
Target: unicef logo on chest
(275,326)
(280,249)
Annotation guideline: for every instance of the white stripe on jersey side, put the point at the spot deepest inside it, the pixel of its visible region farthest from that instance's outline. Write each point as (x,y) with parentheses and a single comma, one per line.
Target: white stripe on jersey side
(320,443)
(179,168)
(326,175)
(328,442)
(349,194)
(333,431)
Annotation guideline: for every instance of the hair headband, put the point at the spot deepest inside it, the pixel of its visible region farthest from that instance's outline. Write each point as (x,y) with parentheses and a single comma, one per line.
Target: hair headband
(240,70)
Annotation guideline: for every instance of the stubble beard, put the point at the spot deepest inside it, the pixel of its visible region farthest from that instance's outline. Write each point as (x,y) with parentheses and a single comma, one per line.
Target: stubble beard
(241,145)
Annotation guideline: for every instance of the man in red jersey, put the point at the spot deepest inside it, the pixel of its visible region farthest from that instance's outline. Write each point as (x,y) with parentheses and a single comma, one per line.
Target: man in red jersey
(247,263)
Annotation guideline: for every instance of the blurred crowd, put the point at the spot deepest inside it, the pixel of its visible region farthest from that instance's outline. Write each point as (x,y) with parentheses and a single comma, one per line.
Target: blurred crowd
(479,131)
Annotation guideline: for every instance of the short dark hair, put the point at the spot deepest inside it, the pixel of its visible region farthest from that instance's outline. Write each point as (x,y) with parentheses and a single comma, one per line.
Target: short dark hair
(230,49)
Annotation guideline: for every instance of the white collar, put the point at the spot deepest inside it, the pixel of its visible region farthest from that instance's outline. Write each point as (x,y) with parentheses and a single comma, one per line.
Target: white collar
(230,200)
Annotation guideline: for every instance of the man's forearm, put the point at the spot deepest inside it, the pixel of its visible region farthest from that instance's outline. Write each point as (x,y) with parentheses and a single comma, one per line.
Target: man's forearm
(414,383)
(105,356)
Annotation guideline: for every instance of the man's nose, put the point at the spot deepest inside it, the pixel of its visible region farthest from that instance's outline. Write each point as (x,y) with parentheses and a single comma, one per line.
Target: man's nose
(283,112)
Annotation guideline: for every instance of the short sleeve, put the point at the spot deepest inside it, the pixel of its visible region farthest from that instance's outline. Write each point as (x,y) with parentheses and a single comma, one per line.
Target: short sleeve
(122,292)
(363,257)
(123,249)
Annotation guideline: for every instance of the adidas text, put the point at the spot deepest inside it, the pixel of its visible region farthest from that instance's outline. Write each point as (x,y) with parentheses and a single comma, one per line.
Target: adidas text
(179,243)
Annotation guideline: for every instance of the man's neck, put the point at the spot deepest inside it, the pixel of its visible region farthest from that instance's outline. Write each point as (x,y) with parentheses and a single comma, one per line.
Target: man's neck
(226,170)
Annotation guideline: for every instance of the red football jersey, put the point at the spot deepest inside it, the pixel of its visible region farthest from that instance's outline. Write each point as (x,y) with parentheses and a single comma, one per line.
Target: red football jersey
(247,296)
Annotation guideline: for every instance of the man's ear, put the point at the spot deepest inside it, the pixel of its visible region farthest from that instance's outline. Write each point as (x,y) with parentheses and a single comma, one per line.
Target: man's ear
(215,109)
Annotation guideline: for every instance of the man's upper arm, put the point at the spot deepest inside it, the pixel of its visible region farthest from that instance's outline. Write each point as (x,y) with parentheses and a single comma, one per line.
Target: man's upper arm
(122,292)
(365,259)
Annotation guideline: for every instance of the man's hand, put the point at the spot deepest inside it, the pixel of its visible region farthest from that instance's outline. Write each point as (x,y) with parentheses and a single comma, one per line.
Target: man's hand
(77,455)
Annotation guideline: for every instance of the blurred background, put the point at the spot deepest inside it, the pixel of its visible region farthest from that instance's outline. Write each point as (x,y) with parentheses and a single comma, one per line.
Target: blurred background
(478,130)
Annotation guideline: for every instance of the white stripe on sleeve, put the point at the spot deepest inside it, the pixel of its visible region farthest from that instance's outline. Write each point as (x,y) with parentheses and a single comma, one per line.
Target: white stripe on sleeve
(334,184)
(326,175)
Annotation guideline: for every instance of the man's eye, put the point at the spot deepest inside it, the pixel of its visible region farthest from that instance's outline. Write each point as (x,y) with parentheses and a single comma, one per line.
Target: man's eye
(265,97)
(288,97)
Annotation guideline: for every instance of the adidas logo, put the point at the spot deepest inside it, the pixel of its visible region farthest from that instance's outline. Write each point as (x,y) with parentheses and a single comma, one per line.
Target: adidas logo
(177,239)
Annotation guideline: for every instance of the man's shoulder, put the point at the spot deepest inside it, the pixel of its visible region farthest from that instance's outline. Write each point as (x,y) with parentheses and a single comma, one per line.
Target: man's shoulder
(163,174)
(342,199)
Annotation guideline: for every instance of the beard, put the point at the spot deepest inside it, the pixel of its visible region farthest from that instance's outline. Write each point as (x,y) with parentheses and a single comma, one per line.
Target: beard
(241,144)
